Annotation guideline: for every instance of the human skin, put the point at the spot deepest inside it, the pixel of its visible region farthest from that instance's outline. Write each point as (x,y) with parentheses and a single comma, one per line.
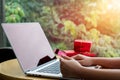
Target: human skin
(74,67)
(112,63)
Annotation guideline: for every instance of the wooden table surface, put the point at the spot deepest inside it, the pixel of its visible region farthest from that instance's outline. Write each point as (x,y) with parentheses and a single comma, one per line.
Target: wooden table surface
(10,70)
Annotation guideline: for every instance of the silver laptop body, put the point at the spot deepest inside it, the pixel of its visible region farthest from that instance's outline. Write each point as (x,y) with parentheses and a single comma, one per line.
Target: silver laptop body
(32,48)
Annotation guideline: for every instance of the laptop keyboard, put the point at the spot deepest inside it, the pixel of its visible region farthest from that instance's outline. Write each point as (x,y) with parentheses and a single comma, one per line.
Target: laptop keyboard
(54,69)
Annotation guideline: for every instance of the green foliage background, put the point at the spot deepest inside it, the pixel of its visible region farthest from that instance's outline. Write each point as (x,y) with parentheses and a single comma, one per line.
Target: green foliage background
(64,21)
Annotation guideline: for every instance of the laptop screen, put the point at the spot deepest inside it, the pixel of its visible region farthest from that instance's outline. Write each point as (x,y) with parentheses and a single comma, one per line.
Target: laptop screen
(29,44)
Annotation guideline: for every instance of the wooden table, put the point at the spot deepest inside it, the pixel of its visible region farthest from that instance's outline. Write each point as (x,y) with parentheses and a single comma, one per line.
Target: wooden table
(10,70)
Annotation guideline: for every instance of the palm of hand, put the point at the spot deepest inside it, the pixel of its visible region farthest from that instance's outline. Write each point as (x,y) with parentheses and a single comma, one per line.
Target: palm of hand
(69,68)
(83,60)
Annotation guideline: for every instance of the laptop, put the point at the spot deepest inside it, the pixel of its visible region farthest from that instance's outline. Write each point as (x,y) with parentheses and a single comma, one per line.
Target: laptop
(32,49)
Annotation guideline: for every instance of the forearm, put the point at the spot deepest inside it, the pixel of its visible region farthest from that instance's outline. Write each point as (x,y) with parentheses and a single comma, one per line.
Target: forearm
(106,62)
(99,74)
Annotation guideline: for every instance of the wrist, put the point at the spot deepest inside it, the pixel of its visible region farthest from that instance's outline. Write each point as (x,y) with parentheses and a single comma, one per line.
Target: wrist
(80,72)
(83,72)
(93,61)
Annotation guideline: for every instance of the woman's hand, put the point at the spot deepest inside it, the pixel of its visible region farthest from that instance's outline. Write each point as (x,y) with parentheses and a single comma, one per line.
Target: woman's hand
(83,60)
(70,67)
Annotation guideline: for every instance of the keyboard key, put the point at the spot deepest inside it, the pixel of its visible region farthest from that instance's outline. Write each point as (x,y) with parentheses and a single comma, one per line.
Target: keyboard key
(54,68)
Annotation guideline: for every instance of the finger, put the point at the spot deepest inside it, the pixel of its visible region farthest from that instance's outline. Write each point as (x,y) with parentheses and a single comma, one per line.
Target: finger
(78,57)
(62,66)
(61,59)
(66,57)
(81,61)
